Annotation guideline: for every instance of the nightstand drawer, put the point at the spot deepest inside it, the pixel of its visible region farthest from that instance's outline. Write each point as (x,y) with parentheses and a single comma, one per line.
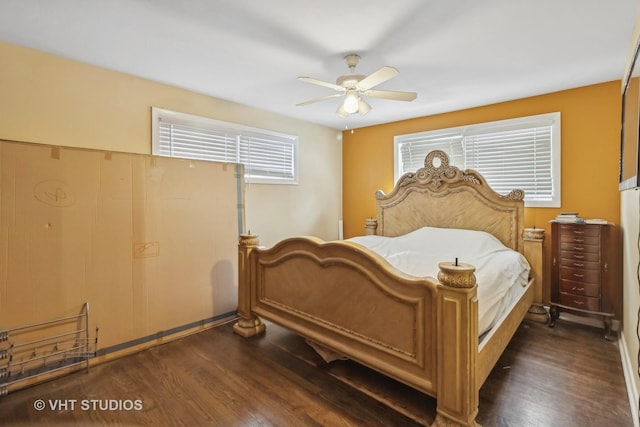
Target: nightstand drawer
(580,256)
(583,303)
(578,247)
(582,289)
(580,275)
(579,230)
(579,239)
(579,263)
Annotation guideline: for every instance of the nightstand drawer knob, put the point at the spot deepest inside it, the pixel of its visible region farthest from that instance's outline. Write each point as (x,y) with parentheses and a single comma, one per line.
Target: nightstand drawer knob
(578,302)
(578,275)
(578,248)
(578,231)
(575,288)
(578,264)
(579,256)
(578,240)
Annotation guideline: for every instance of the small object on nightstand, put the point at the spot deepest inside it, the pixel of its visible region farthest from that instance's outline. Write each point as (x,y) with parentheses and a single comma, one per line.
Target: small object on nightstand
(596,221)
(568,217)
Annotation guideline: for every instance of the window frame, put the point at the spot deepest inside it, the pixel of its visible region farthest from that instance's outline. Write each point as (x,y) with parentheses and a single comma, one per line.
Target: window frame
(174,117)
(520,123)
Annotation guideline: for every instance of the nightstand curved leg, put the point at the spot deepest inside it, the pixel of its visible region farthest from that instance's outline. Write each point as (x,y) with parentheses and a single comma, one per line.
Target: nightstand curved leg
(607,330)
(554,313)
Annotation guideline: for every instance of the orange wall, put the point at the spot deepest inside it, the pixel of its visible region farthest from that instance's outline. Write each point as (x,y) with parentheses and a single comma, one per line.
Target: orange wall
(590,138)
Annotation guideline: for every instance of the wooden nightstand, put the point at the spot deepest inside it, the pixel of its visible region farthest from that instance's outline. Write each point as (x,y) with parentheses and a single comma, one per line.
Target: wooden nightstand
(585,272)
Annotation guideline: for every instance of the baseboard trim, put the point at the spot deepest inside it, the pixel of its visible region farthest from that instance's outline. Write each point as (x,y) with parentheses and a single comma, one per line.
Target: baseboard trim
(627,368)
(143,343)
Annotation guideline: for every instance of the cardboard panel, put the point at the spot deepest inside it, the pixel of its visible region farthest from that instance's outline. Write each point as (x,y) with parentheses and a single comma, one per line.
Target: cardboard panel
(150,243)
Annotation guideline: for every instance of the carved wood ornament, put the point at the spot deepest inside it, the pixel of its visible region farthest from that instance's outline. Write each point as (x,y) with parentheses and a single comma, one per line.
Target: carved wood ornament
(437,171)
(442,195)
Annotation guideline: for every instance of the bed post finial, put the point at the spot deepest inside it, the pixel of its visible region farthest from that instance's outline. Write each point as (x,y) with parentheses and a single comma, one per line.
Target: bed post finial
(249,324)
(457,274)
(371,227)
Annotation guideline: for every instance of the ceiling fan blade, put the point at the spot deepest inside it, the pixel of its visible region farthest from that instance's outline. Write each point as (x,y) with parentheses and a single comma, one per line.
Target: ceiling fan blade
(377,77)
(391,94)
(311,101)
(322,83)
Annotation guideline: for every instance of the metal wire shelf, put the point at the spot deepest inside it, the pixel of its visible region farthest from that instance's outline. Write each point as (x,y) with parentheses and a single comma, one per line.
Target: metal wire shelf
(30,351)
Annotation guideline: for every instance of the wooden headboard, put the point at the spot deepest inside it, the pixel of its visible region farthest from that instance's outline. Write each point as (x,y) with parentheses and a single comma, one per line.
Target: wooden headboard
(441,195)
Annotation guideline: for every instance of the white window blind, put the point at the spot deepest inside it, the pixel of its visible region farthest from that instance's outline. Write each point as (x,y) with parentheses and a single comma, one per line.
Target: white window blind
(268,157)
(521,153)
(414,148)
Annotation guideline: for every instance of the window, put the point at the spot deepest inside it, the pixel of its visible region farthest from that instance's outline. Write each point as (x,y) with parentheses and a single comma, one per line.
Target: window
(522,153)
(268,157)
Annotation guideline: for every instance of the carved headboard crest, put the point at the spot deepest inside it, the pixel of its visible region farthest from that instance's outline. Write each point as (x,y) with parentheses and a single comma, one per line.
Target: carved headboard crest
(441,195)
(437,170)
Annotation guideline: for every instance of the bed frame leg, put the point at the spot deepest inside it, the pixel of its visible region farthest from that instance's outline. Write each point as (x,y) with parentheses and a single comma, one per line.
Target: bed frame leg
(249,324)
(457,354)
(249,327)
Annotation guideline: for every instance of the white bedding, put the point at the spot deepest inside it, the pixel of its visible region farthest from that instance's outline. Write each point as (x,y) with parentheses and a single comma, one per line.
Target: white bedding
(501,273)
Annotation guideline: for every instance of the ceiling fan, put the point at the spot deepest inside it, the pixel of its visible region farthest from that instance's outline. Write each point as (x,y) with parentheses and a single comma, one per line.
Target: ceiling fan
(354,86)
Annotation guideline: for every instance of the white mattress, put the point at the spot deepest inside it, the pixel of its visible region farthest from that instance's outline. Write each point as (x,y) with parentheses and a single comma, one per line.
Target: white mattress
(501,273)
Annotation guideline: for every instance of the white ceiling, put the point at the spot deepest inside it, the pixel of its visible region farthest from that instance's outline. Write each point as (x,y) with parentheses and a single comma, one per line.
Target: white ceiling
(454,53)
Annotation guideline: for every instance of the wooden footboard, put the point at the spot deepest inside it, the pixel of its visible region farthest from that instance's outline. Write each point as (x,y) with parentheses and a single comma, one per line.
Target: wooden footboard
(340,295)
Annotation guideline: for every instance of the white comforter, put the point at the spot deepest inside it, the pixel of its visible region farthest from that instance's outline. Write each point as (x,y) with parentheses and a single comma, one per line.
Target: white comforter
(501,273)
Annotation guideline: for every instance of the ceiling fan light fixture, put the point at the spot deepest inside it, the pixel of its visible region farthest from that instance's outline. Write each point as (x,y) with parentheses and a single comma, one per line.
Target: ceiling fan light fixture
(351,102)
(341,111)
(363,107)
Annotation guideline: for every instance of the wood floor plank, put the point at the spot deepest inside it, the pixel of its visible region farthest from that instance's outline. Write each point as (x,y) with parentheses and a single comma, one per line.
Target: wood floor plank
(563,376)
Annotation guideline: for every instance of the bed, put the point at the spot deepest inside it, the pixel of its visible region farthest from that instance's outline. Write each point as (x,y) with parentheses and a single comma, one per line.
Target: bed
(348,300)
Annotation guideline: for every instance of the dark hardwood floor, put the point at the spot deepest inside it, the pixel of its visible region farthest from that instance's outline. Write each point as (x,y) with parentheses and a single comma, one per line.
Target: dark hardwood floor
(565,376)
